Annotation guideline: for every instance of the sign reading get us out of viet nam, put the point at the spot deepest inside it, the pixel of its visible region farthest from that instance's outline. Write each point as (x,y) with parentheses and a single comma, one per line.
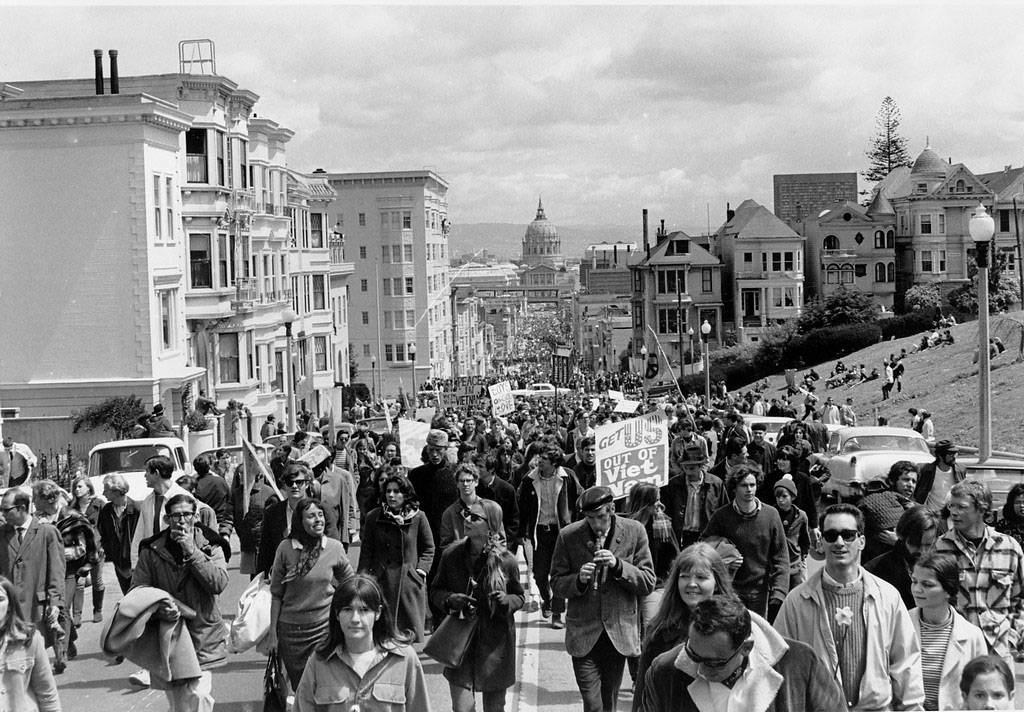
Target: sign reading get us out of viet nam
(632,451)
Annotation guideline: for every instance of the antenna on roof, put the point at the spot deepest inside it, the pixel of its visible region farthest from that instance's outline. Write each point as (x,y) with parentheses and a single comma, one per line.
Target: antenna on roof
(197,57)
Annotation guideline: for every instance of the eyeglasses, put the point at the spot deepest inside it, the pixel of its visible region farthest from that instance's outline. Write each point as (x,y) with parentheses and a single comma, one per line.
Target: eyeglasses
(709,662)
(832,535)
(297,483)
(5,510)
(52,496)
(180,516)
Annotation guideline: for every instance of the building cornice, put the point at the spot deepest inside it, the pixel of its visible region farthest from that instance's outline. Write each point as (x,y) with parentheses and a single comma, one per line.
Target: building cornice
(84,111)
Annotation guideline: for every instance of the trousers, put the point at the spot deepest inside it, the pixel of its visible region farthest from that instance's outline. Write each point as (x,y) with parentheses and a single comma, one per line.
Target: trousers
(599,675)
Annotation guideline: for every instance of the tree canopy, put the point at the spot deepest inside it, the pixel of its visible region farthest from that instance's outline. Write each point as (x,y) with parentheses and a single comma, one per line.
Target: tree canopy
(888,147)
(117,414)
(843,306)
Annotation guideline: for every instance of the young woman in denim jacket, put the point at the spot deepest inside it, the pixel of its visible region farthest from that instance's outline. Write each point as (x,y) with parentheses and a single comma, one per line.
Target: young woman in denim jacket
(25,674)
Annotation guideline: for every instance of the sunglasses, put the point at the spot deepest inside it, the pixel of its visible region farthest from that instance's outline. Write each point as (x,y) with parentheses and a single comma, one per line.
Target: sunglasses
(5,510)
(709,662)
(832,535)
(297,483)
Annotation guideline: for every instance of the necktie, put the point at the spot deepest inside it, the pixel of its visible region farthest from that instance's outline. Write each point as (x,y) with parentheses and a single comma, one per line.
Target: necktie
(21,534)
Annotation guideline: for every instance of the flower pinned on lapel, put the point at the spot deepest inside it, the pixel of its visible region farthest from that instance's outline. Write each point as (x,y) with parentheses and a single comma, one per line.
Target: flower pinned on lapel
(844,617)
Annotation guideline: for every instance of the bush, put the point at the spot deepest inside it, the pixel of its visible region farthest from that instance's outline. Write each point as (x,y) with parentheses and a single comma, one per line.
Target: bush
(117,414)
(909,324)
(832,343)
(922,297)
(843,306)
(196,422)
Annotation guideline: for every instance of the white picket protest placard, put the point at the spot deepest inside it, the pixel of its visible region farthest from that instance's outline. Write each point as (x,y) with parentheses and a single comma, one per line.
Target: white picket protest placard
(412,438)
(616,395)
(632,451)
(502,400)
(626,406)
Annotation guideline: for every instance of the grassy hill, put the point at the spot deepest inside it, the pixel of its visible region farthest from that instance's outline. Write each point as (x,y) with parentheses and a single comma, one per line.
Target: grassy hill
(943,381)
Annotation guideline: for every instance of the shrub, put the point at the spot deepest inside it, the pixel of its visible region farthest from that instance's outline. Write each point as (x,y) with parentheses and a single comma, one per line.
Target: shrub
(117,414)
(832,343)
(843,306)
(922,297)
(909,324)
(196,422)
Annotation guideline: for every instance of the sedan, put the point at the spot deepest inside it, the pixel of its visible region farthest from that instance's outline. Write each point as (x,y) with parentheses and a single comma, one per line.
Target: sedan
(855,456)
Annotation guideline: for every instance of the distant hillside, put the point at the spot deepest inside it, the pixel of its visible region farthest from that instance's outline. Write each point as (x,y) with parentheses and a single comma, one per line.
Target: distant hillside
(506,240)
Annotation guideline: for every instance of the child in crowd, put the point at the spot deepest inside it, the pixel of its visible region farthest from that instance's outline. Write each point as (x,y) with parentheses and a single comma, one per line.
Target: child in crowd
(987,684)
(794,521)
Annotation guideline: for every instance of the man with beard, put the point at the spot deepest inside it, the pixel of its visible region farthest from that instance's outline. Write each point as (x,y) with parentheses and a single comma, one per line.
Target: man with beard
(916,532)
(586,465)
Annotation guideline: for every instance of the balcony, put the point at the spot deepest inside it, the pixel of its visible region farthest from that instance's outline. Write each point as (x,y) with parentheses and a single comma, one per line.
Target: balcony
(769,274)
(246,294)
(245,201)
(838,254)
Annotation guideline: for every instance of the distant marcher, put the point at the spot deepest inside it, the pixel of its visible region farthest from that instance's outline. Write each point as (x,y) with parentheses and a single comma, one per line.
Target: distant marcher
(916,532)
(936,479)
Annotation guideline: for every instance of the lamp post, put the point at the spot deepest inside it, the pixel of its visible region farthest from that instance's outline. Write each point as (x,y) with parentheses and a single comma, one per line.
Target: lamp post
(373,379)
(689,348)
(289,316)
(982,227)
(643,370)
(415,395)
(705,330)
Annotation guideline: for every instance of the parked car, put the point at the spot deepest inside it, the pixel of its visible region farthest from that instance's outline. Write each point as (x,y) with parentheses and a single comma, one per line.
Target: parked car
(128,458)
(773,424)
(855,456)
(540,389)
(277,440)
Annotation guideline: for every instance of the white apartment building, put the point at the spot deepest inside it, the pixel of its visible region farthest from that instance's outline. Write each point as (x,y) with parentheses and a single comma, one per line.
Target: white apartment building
(188,240)
(395,227)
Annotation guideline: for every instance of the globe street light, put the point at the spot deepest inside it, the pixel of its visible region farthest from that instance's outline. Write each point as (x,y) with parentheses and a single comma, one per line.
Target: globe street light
(415,395)
(373,380)
(705,330)
(982,227)
(288,316)
(689,348)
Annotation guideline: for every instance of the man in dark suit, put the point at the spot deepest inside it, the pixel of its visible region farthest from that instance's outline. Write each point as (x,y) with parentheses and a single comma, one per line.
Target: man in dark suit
(32,557)
(603,566)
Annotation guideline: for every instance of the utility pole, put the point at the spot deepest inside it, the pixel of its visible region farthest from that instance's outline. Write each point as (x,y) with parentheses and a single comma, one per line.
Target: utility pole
(1020,253)
(679,320)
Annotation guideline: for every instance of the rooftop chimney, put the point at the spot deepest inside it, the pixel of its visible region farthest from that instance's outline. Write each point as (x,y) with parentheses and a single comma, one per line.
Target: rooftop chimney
(114,88)
(729,213)
(661,233)
(98,54)
(647,244)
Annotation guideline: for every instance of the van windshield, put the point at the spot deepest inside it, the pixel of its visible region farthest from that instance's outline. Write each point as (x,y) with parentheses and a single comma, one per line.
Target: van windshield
(127,459)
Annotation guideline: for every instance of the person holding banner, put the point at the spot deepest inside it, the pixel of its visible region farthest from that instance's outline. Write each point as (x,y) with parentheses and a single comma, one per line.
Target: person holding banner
(248,514)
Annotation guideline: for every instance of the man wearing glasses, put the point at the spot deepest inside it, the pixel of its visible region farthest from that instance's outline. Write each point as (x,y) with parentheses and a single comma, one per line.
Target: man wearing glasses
(856,622)
(735,661)
(182,562)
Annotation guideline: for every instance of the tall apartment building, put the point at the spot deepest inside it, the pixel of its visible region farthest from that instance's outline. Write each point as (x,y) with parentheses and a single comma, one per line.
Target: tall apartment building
(604,268)
(801,196)
(173,200)
(396,234)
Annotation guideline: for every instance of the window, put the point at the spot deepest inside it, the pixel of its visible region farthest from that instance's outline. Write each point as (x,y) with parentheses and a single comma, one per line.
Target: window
(408,285)
(926,260)
(319,353)
(748,257)
(959,188)
(319,298)
(362,252)
(941,220)
(787,261)
(396,253)
(397,289)
(831,242)
(846,274)
(167,299)
(926,224)
(366,318)
(890,239)
(788,299)
(169,207)
(706,280)
(879,240)
(890,272)
(406,221)
(364,285)
(366,350)
(225,263)
(1004,221)
(1011,259)
(407,253)
(195,156)
(385,253)
(666,281)
(388,323)
(410,318)
(362,219)
(399,352)
(903,223)
(832,274)
(220,157)
(776,262)
(228,360)
(880,272)
(942,260)
(777,296)
(667,321)
(387,287)
(389,352)
(200,272)
(158,228)
(316,229)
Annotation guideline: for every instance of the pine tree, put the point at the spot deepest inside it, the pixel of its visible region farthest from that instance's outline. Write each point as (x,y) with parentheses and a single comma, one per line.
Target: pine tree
(888,147)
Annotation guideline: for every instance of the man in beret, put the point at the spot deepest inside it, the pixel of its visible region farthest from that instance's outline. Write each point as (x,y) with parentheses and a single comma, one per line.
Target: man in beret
(603,566)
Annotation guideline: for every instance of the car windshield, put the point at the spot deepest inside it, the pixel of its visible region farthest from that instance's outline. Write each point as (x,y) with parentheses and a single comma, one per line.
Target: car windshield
(885,442)
(127,459)
(771,427)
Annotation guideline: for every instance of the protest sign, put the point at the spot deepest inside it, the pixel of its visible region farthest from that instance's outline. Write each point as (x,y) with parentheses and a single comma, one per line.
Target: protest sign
(502,401)
(626,406)
(412,438)
(632,451)
(616,395)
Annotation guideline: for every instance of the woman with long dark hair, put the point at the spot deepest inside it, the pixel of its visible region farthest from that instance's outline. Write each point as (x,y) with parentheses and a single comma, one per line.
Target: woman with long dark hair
(364,664)
(697,574)
(308,567)
(27,683)
(1012,521)
(398,550)
(89,504)
(479,575)
(644,505)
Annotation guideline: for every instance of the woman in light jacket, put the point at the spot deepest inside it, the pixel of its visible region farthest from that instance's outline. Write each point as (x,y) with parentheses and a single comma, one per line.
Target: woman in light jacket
(27,680)
(948,640)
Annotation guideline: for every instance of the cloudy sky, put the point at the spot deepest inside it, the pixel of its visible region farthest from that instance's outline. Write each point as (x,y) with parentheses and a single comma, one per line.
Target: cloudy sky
(604,110)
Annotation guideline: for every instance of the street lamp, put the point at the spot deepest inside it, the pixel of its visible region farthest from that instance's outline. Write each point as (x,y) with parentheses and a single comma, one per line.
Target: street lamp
(373,380)
(289,316)
(415,395)
(705,330)
(982,227)
(689,347)
(643,370)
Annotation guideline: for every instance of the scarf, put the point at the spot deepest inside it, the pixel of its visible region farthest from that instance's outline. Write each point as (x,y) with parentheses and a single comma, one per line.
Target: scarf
(403,516)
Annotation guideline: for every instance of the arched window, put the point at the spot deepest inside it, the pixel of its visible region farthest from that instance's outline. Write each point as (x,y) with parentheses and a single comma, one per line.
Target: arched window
(831,242)
(890,239)
(846,276)
(832,274)
(890,272)
(879,240)
(880,272)
(960,187)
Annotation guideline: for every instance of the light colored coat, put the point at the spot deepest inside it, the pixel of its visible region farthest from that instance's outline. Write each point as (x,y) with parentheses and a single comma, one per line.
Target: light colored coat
(26,678)
(614,605)
(966,642)
(892,670)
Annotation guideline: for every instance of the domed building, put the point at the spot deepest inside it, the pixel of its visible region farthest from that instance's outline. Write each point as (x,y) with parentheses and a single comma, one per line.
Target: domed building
(541,244)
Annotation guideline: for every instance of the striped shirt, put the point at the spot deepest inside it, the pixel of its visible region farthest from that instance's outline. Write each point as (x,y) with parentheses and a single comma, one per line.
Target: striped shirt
(991,592)
(934,644)
(845,606)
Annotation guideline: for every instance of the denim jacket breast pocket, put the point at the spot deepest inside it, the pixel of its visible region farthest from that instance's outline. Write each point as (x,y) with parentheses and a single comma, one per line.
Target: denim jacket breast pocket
(336,699)
(17,661)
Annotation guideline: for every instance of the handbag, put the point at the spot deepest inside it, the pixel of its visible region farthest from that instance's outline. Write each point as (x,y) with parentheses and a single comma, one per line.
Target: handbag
(252,620)
(451,640)
(275,685)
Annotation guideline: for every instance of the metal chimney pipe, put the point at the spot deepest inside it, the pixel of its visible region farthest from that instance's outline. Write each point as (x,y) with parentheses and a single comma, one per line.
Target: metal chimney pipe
(646,243)
(114,87)
(98,55)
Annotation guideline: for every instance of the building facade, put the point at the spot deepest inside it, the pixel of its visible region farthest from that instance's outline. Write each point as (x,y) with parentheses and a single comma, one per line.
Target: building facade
(763,264)
(396,234)
(802,196)
(604,268)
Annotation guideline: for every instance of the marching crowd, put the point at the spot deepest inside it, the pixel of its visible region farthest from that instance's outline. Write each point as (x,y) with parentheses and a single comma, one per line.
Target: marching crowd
(700,588)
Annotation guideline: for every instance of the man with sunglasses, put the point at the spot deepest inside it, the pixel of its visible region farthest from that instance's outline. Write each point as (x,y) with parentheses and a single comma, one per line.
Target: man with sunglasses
(856,622)
(733,660)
